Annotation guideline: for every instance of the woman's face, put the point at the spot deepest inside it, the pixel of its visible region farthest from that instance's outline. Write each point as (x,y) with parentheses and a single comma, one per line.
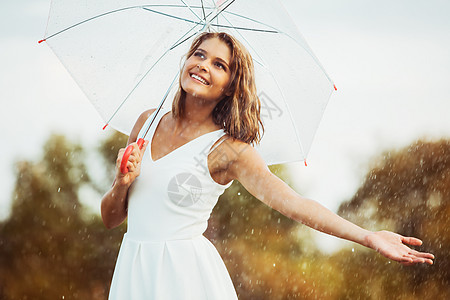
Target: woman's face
(206,74)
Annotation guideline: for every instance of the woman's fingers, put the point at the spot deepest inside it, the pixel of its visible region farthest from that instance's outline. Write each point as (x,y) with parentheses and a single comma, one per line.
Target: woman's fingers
(422,257)
(421,260)
(411,241)
(422,254)
(131,166)
(416,256)
(135,157)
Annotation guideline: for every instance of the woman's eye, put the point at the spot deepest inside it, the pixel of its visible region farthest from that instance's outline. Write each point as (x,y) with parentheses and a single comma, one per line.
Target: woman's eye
(220,65)
(199,54)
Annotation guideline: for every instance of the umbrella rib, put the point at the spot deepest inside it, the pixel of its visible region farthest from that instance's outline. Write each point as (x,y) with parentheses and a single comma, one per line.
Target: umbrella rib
(256,21)
(177,43)
(90,19)
(235,27)
(171,16)
(203,10)
(181,42)
(220,12)
(295,41)
(108,13)
(244,28)
(187,5)
(249,44)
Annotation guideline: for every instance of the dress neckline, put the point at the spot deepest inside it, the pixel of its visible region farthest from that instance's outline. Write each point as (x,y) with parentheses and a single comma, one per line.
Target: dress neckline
(178,148)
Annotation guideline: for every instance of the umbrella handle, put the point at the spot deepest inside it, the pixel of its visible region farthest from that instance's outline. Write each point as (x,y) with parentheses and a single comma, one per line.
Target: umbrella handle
(126,155)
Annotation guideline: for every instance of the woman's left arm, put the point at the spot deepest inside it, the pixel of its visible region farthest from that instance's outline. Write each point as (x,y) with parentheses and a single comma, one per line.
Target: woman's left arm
(251,171)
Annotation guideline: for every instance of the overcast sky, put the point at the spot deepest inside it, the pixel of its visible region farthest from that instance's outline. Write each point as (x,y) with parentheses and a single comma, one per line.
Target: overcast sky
(388,58)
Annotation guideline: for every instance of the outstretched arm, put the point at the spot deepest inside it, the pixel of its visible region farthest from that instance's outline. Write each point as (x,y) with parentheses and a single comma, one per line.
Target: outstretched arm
(251,171)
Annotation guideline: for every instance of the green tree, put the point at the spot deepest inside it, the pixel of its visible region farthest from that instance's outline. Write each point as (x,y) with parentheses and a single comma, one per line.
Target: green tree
(407,191)
(51,247)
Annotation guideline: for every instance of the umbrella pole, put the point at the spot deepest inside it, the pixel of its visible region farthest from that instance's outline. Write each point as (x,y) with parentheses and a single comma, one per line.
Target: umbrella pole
(140,141)
(160,106)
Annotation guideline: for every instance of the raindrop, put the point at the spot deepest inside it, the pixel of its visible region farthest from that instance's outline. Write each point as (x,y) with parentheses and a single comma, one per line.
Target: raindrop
(273,265)
(353,249)
(59,189)
(239,193)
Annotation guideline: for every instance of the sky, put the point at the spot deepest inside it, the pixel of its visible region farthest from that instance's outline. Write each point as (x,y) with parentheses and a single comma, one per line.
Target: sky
(389,60)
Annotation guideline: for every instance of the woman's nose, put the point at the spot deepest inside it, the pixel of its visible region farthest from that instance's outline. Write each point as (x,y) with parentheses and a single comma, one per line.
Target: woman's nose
(202,67)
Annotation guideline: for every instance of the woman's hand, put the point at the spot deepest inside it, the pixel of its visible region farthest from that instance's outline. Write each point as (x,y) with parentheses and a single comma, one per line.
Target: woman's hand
(114,203)
(133,164)
(393,246)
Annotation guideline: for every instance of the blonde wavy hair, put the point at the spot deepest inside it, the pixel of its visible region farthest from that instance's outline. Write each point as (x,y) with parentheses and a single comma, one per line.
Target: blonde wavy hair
(240,113)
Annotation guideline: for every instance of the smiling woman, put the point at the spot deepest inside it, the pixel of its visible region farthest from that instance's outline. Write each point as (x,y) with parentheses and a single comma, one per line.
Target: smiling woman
(227,67)
(195,152)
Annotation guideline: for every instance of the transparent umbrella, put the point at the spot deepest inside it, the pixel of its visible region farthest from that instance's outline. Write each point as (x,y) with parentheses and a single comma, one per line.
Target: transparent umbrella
(126,56)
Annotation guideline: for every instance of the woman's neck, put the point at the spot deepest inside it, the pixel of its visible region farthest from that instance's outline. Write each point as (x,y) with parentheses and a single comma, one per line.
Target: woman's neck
(197,114)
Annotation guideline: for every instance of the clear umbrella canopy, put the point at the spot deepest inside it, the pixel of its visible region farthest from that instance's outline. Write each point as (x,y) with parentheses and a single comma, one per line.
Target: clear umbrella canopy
(124,55)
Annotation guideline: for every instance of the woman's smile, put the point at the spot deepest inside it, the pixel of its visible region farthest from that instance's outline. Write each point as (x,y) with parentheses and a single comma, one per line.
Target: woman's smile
(199,78)
(206,73)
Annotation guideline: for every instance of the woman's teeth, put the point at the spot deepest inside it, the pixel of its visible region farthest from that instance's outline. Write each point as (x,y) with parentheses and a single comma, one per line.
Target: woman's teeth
(199,79)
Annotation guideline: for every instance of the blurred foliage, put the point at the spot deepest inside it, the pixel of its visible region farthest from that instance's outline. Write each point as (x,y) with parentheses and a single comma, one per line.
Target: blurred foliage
(408,191)
(51,247)
(109,148)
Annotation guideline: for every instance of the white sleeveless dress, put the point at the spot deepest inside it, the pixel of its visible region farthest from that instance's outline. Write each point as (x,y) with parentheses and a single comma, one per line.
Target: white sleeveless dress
(164,254)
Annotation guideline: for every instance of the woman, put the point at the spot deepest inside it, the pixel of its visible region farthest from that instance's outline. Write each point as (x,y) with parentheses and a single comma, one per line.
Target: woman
(203,144)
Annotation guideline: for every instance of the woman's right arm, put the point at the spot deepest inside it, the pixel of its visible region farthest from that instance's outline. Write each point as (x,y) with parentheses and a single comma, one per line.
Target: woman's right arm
(114,203)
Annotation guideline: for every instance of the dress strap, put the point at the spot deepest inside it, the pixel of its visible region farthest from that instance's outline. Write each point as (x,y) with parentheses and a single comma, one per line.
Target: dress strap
(218,143)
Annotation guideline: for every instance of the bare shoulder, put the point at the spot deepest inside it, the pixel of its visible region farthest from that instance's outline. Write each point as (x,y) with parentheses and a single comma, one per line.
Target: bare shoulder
(233,156)
(138,125)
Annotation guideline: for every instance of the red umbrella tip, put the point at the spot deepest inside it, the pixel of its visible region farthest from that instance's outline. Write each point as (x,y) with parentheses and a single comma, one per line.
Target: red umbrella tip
(335,88)
(42,41)
(104,127)
(305,163)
